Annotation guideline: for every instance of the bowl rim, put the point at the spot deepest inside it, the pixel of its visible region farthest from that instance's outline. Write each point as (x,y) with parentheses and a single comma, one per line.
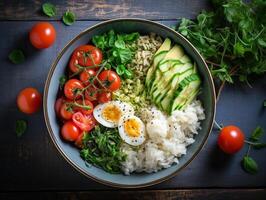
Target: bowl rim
(49,128)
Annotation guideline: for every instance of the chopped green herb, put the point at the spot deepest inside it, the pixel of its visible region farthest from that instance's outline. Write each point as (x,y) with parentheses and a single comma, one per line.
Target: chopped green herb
(69,18)
(21,127)
(249,165)
(49,9)
(16,56)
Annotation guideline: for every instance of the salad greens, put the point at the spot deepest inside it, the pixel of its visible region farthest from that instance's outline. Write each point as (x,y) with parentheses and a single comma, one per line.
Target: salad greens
(49,9)
(16,56)
(117,49)
(101,147)
(232,39)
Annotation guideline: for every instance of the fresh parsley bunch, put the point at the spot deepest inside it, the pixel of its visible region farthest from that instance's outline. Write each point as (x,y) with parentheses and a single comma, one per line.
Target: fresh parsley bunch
(118,50)
(232,39)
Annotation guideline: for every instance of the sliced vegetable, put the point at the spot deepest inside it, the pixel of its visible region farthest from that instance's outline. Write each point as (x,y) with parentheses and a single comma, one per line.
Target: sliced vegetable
(84,122)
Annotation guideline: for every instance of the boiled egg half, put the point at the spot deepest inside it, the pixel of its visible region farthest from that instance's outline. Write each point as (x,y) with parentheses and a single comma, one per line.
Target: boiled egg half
(131,130)
(109,114)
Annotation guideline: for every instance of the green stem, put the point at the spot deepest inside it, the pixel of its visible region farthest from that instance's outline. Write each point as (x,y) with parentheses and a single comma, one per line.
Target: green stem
(251,143)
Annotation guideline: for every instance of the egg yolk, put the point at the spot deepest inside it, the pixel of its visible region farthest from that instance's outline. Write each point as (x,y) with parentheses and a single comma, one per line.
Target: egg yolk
(111,113)
(132,127)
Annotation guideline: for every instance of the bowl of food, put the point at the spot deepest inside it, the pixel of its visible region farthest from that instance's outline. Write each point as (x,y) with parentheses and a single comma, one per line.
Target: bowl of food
(129,102)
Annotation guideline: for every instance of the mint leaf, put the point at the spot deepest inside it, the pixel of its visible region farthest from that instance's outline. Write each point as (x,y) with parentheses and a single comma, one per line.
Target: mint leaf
(49,9)
(256,134)
(69,18)
(20,127)
(16,56)
(249,165)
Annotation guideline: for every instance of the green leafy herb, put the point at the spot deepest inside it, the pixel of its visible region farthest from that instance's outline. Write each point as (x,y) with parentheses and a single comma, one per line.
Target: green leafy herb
(62,81)
(249,165)
(69,18)
(118,51)
(21,127)
(232,39)
(16,56)
(101,147)
(256,134)
(49,9)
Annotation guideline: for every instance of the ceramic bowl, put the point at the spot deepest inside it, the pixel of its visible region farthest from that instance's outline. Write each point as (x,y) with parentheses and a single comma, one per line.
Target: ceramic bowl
(71,153)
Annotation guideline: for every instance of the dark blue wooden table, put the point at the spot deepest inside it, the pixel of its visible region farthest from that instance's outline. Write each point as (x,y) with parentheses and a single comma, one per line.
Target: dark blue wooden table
(32,163)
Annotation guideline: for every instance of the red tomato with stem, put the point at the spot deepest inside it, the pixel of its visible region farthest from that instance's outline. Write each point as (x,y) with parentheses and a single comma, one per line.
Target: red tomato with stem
(104,97)
(66,111)
(84,122)
(86,76)
(42,35)
(91,93)
(70,131)
(29,100)
(85,56)
(86,107)
(231,139)
(72,89)
(109,80)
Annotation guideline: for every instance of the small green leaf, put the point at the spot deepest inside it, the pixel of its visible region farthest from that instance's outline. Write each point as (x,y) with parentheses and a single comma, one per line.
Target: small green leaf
(49,9)
(120,69)
(69,18)
(21,127)
(249,165)
(62,80)
(239,49)
(256,134)
(16,56)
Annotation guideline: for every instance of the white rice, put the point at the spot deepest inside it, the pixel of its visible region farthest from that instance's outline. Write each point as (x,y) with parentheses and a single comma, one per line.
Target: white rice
(167,141)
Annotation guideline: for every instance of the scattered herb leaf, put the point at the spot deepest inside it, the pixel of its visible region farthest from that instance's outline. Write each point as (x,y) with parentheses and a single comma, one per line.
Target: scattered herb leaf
(16,56)
(49,9)
(69,18)
(249,165)
(256,134)
(21,127)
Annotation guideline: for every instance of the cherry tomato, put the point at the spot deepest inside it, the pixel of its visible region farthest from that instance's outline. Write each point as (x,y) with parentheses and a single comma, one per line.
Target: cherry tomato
(29,100)
(78,141)
(91,93)
(58,104)
(72,89)
(42,35)
(85,56)
(70,131)
(66,111)
(231,139)
(110,80)
(86,76)
(104,97)
(84,110)
(84,122)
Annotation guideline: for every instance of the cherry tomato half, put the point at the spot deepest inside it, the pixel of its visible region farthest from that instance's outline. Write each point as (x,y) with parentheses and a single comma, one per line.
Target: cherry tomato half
(70,131)
(29,100)
(110,80)
(86,111)
(104,97)
(231,139)
(85,56)
(84,122)
(86,76)
(42,35)
(72,89)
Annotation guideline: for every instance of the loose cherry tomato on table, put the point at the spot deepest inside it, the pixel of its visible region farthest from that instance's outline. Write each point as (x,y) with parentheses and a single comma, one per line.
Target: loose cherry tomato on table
(70,131)
(72,89)
(91,93)
(86,107)
(109,80)
(66,111)
(29,100)
(104,97)
(231,139)
(85,56)
(42,35)
(84,122)
(87,75)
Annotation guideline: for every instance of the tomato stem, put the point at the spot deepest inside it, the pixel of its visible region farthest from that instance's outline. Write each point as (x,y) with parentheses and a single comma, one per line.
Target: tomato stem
(251,143)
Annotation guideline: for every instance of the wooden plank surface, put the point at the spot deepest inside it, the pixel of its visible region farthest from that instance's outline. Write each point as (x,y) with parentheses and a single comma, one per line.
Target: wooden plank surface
(103,9)
(32,163)
(202,194)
